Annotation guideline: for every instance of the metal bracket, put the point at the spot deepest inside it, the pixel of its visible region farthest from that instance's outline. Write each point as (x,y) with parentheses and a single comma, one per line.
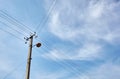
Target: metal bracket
(27,38)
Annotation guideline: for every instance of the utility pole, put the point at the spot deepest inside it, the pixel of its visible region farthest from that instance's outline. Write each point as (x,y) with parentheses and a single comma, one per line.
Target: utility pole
(30,54)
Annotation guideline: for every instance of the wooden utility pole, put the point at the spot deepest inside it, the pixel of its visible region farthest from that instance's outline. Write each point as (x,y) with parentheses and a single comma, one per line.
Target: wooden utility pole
(30,54)
(29,57)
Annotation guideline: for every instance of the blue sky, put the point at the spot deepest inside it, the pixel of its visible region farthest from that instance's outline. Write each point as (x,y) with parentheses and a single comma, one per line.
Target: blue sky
(80,39)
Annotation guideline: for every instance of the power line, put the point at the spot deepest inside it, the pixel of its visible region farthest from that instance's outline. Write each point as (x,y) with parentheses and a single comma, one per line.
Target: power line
(63,63)
(68,66)
(14,24)
(74,70)
(45,20)
(12,28)
(26,27)
(14,21)
(40,26)
(11,34)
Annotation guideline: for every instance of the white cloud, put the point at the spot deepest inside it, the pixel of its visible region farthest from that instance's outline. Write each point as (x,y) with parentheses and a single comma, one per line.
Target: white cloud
(71,22)
(89,51)
(56,55)
(95,10)
(60,29)
(88,23)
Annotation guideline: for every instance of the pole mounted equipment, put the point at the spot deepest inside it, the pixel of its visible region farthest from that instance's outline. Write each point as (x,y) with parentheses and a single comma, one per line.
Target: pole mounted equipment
(38,45)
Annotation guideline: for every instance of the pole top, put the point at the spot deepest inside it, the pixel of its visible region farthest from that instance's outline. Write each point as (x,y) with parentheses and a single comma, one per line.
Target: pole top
(31,35)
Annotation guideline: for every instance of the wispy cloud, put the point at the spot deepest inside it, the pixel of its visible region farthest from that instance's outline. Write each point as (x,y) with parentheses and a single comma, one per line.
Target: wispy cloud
(89,51)
(72,22)
(87,24)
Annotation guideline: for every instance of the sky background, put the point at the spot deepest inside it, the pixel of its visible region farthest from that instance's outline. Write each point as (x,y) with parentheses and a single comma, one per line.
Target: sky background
(80,39)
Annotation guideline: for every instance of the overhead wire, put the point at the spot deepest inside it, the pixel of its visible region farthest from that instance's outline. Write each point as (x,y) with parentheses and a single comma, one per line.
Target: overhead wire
(15,22)
(38,27)
(22,31)
(41,24)
(14,69)
(46,18)
(63,62)
(60,63)
(11,34)
(12,28)
(26,27)
(51,8)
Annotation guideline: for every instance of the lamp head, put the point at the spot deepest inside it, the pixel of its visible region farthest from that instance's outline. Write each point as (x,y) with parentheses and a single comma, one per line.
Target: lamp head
(38,45)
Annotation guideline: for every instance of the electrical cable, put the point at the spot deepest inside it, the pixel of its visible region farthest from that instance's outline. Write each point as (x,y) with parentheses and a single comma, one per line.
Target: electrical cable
(11,34)
(45,19)
(26,27)
(15,25)
(51,8)
(14,21)
(68,66)
(12,28)
(61,64)
(66,56)
(64,63)
(40,26)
